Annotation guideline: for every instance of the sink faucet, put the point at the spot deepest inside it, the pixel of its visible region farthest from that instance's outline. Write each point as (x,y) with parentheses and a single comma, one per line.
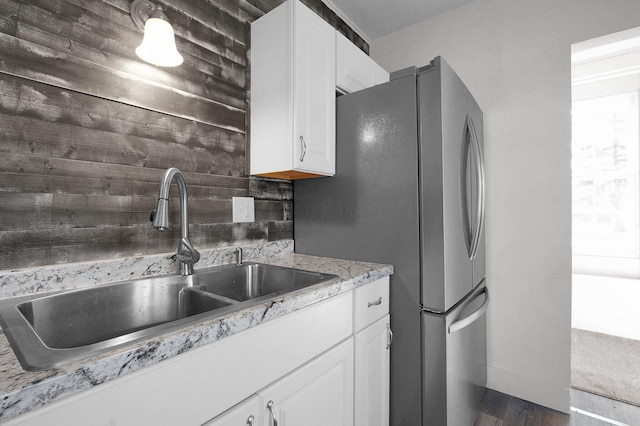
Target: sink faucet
(186,255)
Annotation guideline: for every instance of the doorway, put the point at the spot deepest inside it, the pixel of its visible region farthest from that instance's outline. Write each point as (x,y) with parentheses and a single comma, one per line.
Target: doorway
(606,216)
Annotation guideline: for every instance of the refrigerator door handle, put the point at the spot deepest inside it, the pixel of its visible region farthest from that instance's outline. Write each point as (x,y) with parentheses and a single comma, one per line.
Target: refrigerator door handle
(459,324)
(479,166)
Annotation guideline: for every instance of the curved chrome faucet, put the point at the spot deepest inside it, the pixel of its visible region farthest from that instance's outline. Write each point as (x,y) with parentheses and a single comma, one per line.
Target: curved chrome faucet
(187,255)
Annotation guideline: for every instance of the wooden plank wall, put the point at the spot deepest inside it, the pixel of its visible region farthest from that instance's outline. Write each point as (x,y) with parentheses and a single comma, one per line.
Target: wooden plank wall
(87,129)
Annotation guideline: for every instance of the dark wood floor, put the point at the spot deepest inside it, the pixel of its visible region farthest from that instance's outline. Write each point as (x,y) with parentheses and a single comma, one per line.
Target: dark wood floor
(586,410)
(504,410)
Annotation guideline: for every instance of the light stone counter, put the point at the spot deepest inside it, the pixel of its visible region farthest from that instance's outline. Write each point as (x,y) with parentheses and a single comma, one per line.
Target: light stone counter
(22,391)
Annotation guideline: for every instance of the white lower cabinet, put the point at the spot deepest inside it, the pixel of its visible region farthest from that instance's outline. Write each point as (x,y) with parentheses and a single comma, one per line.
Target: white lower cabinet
(319,393)
(194,387)
(372,374)
(247,413)
(313,364)
(348,385)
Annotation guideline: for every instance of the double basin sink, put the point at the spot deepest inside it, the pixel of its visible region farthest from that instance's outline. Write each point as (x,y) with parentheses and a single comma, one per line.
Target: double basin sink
(47,331)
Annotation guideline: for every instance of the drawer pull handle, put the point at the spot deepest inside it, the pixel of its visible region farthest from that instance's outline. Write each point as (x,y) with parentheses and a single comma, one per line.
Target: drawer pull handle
(376,303)
(389,336)
(273,415)
(250,420)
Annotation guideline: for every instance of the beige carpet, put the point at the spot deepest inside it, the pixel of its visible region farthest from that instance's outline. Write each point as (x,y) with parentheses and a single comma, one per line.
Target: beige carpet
(606,365)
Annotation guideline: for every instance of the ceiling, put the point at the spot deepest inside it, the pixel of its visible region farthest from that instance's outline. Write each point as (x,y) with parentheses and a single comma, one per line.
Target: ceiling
(376,18)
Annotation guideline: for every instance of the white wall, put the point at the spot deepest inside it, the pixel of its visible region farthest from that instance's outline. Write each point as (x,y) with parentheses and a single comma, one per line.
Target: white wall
(515,57)
(606,305)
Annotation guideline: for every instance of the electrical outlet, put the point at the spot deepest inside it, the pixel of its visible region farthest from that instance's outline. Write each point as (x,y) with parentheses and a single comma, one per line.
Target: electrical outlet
(243,209)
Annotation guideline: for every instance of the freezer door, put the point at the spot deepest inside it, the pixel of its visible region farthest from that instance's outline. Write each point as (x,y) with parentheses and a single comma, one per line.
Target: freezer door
(455,362)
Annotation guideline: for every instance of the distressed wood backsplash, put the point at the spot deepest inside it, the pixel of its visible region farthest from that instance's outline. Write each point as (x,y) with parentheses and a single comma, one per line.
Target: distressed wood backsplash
(87,129)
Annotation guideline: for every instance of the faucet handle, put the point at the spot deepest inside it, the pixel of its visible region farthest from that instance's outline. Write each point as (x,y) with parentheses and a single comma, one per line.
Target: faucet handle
(152,216)
(187,253)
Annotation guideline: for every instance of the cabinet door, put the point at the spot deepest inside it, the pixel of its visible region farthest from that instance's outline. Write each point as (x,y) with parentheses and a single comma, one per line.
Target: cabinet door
(314,92)
(247,413)
(318,394)
(372,374)
(354,69)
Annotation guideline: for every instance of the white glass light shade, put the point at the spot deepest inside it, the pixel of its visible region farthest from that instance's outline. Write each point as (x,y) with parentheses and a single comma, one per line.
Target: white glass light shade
(159,44)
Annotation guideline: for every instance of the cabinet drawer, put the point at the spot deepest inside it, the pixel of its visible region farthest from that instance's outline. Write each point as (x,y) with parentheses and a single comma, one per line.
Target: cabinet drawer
(371,302)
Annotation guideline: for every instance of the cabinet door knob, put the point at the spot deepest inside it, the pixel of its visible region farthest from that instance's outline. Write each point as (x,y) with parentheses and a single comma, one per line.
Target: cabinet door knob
(250,420)
(273,415)
(303,149)
(375,303)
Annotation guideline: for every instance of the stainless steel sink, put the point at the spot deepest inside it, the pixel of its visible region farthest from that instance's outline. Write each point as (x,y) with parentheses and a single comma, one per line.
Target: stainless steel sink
(256,280)
(47,331)
(85,317)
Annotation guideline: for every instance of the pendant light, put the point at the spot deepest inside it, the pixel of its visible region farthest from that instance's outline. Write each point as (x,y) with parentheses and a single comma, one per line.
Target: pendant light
(158,45)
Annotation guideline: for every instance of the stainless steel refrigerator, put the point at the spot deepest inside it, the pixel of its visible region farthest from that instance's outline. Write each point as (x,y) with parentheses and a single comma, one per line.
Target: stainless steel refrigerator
(409,191)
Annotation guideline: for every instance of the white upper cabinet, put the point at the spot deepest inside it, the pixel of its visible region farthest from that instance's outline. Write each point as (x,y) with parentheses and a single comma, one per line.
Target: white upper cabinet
(292,129)
(298,61)
(355,70)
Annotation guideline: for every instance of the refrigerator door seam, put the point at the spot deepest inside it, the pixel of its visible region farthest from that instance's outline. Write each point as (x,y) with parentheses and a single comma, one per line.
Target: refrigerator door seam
(431,311)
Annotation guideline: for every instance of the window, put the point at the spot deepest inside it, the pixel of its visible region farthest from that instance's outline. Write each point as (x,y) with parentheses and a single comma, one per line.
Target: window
(605,175)
(605,81)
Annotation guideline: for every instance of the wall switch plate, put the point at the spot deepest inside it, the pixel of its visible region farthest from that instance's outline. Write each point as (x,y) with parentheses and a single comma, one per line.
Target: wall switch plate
(243,209)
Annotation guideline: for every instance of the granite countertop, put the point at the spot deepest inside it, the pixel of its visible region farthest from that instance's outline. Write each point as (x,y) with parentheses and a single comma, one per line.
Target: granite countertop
(22,391)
